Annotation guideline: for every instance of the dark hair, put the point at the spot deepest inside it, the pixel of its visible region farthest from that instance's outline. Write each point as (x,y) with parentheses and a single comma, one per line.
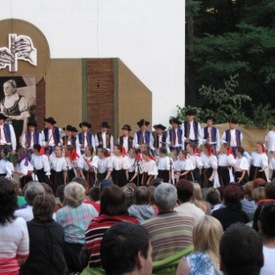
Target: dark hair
(232,195)
(118,146)
(60,193)
(43,207)
(241,250)
(37,147)
(162,150)
(113,201)
(8,200)
(79,180)
(142,195)
(120,246)
(94,193)
(267,219)
(240,150)
(90,148)
(213,196)
(185,190)
(270,190)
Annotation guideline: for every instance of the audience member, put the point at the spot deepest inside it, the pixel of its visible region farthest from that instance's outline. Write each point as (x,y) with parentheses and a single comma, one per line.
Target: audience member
(258,194)
(94,198)
(214,198)
(248,204)
(129,192)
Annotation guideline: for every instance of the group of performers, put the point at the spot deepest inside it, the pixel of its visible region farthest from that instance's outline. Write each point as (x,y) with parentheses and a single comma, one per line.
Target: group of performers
(186,150)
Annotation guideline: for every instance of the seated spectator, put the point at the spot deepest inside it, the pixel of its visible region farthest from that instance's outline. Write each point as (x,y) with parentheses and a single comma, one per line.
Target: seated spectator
(60,197)
(185,191)
(241,251)
(113,209)
(46,240)
(169,231)
(152,200)
(198,199)
(129,191)
(141,208)
(214,198)
(258,194)
(205,259)
(126,249)
(232,212)
(74,217)
(33,189)
(267,231)
(248,205)
(94,197)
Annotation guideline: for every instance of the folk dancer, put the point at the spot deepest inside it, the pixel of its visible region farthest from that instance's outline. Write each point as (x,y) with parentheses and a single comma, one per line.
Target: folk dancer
(163,165)
(270,141)
(175,137)
(51,136)
(241,167)
(233,136)
(70,136)
(134,165)
(6,166)
(104,138)
(149,168)
(72,162)
(143,136)
(160,136)
(259,163)
(272,167)
(7,135)
(102,163)
(126,141)
(211,135)
(84,138)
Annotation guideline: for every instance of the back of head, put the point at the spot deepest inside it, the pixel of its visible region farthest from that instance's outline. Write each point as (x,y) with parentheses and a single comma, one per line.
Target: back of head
(166,196)
(267,221)
(213,196)
(34,189)
(142,195)
(94,193)
(270,190)
(80,180)
(43,207)
(241,250)
(197,193)
(185,190)
(121,247)
(129,192)
(232,195)
(113,201)
(74,194)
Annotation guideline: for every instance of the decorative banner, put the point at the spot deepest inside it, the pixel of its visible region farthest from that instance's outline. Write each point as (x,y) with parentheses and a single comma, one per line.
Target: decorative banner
(20,48)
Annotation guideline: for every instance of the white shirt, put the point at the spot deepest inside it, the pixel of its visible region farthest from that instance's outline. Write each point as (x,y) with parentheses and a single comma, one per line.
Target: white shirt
(183,165)
(233,141)
(270,140)
(259,160)
(41,162)
(102,165)
(226,160)
(210,161)
(29,146)
(23,168)
(163,163)
(196,159)
(58,164)
(269,263)
(149,167)
(132,164)
(118,163)
(6,167)
(3,140)
(92,160)
(242,164)
(51,138)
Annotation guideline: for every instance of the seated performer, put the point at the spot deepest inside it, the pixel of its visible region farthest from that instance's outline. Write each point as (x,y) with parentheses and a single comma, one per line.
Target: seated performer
(104,138)
(84,138)
(126,141)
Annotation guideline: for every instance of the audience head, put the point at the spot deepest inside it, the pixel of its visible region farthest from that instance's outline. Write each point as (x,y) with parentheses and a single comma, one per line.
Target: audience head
(258,194)
(185,189)
(105,183)
(43,207)
(166,197)
(80,180)
(197,193)
(141,195)
(151,189)
(8,201)
(213,196)
(232,195)
(60,193)
(94,193)
(241,251)
(129,192)
(113,201)
(259,182)
(125,248)
(74,194)
(32,190)
(270,190)
(266,222)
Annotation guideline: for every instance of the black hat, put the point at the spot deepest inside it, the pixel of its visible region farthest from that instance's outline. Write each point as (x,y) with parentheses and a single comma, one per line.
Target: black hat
(190,112)
(126,127)
(159,126)
(233,120)
(74,130)
(105,124)
(2,116)
(143,122)
(174,120)
(50,120)
(86,124)
(32,123)
(209,118)
(69,128)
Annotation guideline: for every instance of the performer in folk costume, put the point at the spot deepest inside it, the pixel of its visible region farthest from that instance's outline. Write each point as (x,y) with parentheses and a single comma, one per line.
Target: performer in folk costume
(6,167)
(104,138)
(102,163)
(210,165)
(87,165)
(134,163)
(259,163)
(51,136)
(241,167)
(84,138)
(24,167)
(184,167)
(58,168)
(196,159)
(149,168)
(211,134)
(163,165)
(272,167)
(160,137)
(70,136)
(118,166)
(7,135)
(175,137)
(233,136)
(126,141)
(72,162)
(41,164)
(191,129)
(225,162)
(31,137)
(143,136)
(270,141)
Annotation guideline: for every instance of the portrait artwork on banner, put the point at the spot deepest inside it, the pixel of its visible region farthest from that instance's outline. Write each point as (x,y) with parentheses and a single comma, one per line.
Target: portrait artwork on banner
(18,101)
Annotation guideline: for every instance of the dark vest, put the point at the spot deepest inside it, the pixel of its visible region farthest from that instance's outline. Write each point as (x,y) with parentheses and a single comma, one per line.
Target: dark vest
(55,133)
(213,134)
(140,137)
(187,129)
(100,139)
(228,137)
(156,139)
(173,138)
(130,141)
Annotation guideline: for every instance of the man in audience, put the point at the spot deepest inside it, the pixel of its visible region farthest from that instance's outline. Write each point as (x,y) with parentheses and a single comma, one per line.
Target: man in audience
(241,251)
(126,249)
(169,231)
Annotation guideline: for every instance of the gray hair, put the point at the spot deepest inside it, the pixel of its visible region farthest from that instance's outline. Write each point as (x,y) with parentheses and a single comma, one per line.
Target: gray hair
(74,194)
(166,196)
(32,191)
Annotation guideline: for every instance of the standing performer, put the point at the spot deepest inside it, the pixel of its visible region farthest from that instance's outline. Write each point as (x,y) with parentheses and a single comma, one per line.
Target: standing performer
(51,136)
(160,137)
(143,136)
(241,167)
(149,168)
(84,138)
(191,129)
(134,164)
(104,138)
(31,137)
(175,137)
(72,162)
(163,165)
(70,136)
(211,135)
(233,136)
(7,135)
(102,163)
(270,141)
(126,141)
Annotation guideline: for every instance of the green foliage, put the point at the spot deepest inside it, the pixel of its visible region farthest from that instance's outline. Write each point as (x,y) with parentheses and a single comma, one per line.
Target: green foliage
(201,113)
(263,116)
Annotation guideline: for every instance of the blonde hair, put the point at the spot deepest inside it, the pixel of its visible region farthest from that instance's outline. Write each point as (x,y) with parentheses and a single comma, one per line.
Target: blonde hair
(198,200)
(258,194)
(74,194)
(206,237)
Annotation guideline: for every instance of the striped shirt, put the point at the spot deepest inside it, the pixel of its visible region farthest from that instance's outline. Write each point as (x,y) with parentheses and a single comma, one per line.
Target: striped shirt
(169,233)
